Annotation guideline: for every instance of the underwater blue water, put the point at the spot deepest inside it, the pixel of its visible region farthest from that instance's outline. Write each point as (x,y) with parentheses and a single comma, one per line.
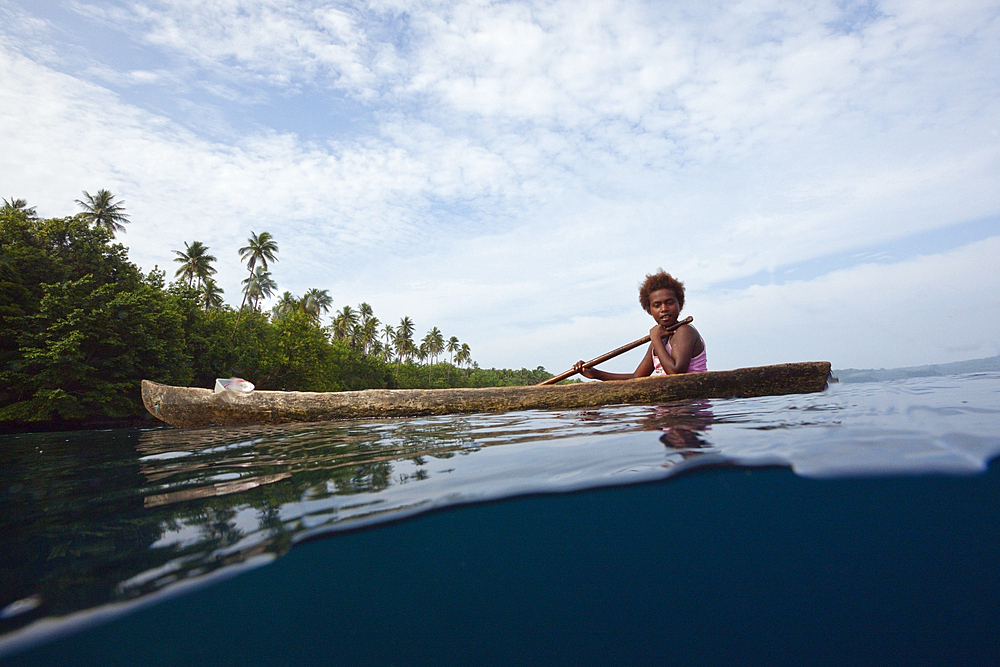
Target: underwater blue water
(858,525)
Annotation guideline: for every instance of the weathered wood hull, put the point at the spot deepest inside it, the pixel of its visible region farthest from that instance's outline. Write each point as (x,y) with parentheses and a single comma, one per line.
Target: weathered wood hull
(190,406)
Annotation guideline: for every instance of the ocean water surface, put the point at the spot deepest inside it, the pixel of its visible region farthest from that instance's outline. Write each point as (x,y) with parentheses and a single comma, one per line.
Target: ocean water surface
(857,525)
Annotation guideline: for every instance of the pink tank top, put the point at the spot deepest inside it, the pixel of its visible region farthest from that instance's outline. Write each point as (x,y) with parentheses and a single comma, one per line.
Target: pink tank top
(698,364)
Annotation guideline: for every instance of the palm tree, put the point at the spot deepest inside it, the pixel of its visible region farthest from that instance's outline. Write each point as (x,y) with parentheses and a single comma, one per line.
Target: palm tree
(371,332)
(259,285)
(453,347)
(423,354)
(464,355)
(315,303)
(367,330)
(19,205)
(195,263)
(266,287)
(102,210)
(403,341)
(344,323)
(258,249)
(211,294)
(428,343)
(249,289)
(389,333)
(287,304)
(365,311)
(435,343)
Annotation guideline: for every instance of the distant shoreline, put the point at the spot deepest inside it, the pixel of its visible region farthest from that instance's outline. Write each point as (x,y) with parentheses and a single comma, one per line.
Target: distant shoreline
(984,365)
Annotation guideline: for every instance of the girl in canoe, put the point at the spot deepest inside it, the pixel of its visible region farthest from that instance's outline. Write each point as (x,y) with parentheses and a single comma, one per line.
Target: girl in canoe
(669,353)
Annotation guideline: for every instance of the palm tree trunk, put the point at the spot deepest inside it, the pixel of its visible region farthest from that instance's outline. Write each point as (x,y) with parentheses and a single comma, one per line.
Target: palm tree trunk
(240,314)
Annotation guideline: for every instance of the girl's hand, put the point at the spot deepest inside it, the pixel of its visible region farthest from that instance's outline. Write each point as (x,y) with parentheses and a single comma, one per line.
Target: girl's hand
(585,372)
(659,332)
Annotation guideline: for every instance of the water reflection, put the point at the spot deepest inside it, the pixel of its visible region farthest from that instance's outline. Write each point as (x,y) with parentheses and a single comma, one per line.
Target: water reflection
(102,517)
(354,457)
(685,425)
(91,519)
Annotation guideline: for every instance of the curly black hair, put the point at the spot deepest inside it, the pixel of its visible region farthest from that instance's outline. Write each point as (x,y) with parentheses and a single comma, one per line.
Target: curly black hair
(660,280)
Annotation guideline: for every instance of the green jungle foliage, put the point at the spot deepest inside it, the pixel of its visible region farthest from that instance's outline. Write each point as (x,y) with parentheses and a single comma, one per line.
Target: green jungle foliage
(445,375)
(81,326)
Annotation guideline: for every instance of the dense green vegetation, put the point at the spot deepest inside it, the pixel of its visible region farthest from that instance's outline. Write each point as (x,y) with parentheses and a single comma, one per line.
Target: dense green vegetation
(81,325)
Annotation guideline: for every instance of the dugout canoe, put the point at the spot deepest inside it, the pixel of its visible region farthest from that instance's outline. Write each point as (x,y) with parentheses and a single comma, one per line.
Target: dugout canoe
(192,406)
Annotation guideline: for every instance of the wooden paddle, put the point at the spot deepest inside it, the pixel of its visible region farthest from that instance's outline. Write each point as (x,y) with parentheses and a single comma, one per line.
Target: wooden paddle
(613,353)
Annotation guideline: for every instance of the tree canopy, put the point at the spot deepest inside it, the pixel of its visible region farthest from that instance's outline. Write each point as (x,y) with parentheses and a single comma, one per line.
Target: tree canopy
(81,326)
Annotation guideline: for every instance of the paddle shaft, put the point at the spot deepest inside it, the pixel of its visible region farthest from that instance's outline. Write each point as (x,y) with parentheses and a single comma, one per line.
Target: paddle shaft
(614,353)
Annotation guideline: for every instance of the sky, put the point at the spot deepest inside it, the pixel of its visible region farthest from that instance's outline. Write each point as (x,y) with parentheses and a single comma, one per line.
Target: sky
(823,176)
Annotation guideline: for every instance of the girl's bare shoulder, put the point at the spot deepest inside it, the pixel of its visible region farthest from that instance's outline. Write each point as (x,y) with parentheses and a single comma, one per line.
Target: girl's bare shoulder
(687,330)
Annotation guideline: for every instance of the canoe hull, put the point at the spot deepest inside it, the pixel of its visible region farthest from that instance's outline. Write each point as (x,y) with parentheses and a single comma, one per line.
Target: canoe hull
(191,406)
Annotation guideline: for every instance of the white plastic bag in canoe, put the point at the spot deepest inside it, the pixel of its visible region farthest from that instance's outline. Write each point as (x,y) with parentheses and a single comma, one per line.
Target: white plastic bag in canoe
(237,385)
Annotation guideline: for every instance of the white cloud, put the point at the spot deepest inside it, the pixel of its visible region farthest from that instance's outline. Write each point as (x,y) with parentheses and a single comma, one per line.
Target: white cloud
(284,44)
(930,309)
(526,163)
(374,193)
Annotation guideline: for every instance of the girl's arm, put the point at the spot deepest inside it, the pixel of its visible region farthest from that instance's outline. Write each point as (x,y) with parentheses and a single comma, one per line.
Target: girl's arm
(682,344)
(644,369)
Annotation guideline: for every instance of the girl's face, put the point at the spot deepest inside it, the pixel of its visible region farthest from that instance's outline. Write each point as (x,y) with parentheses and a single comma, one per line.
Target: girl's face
(664,307)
